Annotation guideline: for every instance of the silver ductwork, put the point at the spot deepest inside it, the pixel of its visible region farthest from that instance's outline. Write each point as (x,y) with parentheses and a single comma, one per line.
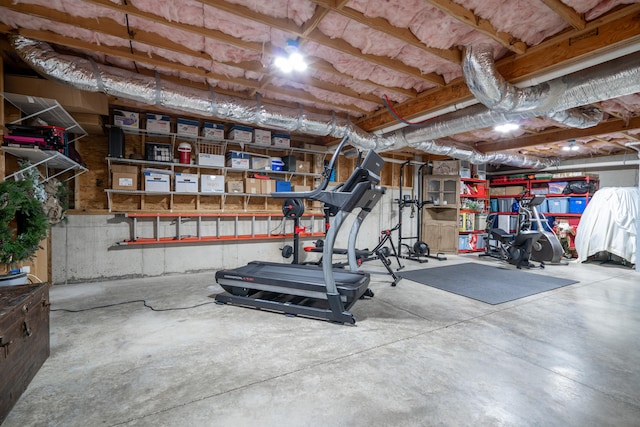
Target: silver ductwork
(618,78)
(89,76)
(492,90)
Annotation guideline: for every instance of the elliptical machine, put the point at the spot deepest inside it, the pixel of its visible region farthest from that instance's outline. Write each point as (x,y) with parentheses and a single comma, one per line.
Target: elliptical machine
(515,248)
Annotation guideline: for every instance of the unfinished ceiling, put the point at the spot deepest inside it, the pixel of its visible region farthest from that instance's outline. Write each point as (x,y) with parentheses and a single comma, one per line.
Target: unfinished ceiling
(382,65)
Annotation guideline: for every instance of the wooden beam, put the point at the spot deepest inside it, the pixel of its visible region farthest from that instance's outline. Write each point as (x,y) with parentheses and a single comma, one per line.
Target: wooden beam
(343,46)
(568,14)
(551,137)
(612,31)
(313,22)
(467,17)
(157,62)
(403,34)
(232,41)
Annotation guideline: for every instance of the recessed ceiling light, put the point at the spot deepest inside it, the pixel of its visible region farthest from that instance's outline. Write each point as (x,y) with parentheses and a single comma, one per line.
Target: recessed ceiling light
(507,127)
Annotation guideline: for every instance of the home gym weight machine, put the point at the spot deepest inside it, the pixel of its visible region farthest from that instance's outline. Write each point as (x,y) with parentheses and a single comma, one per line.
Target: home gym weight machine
(319,292)
(419,251)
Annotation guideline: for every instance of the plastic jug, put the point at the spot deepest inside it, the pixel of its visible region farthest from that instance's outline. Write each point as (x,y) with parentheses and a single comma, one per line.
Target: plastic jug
(184,148)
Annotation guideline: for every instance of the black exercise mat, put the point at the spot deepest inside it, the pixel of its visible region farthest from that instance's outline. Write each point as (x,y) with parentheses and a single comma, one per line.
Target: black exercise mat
(485,283)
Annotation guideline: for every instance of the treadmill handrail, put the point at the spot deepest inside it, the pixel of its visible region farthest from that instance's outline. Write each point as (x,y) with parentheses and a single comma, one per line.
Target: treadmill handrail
(326,176)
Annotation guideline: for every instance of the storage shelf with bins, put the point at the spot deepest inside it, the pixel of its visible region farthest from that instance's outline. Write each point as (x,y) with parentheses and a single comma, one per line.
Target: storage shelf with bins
(195,200)
(474,205)
(440,220)
(55,163)
(563,207)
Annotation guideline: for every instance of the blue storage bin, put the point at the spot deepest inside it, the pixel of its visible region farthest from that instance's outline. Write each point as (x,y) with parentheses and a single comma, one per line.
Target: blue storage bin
(283,186)
(558,204)
(493,205)
(543,207)
(577,204)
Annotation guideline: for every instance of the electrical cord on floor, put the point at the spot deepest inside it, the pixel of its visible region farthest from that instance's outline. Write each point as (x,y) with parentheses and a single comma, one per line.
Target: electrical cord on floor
(144,302)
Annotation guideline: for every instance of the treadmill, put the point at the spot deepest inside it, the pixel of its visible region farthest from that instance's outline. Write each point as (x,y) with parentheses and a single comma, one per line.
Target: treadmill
(318,292)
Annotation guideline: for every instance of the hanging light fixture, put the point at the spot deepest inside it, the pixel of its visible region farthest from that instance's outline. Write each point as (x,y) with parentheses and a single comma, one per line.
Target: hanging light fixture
(506,127)
(292,60)
(571,147)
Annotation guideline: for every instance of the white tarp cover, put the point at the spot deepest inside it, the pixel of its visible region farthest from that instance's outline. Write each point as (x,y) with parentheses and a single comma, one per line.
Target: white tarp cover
(609,224)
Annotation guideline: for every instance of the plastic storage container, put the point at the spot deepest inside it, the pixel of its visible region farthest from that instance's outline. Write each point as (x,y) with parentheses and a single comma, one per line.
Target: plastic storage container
(184,148)
(577,204)
(276,164)
(558,205)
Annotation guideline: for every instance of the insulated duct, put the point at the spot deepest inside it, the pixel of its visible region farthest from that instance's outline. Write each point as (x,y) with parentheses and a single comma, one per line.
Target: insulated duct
(613,79)
(492,90)
(89,76)
(86,75)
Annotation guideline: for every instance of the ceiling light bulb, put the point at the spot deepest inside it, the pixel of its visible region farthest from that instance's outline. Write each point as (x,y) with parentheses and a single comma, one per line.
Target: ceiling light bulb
(283,64)
(507,127)
(297,61)
(574,148)
(566,148)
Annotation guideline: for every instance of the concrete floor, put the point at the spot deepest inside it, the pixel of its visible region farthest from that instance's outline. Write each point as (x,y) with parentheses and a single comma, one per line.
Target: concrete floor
(418,356)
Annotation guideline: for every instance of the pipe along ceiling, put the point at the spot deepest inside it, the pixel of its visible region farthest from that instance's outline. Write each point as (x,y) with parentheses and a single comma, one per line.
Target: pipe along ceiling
(563,99)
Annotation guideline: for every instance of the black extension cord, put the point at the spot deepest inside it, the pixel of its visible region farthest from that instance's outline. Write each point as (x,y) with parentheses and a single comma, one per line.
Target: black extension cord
(144,302)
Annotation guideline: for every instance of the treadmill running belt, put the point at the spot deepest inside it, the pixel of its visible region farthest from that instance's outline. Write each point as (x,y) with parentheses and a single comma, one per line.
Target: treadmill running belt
(299,279)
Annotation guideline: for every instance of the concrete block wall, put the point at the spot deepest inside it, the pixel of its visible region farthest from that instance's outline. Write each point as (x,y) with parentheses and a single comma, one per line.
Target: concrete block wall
(84,248)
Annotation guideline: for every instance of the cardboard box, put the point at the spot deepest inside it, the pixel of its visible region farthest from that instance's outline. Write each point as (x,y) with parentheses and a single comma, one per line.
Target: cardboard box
(262,137)
(214,131)
(252,185)
(156,182)
(241,134)
(186,183)
(301,188)
(235,187)
(216,160)
(280,140)
(446,167)
(513,190)
(158,123)
(124,177)
(237,160)
(261,163)
(267,186)
(187,127)
(496,191)
(126,119)
(212,183)
(71,99)
(303,166)
(91,123)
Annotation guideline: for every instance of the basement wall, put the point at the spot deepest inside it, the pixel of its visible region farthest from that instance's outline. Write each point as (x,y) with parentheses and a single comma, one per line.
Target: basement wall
(83,248)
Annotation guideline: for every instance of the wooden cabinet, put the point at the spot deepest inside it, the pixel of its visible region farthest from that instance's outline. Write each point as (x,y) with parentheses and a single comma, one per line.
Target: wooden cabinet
(440,219)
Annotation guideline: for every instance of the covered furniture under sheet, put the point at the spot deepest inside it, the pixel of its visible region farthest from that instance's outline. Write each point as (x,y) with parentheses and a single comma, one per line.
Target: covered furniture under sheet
(609,224)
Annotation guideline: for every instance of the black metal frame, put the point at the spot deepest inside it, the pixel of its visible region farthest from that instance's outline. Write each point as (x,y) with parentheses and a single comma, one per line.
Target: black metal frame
(419,203)
(361,191)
